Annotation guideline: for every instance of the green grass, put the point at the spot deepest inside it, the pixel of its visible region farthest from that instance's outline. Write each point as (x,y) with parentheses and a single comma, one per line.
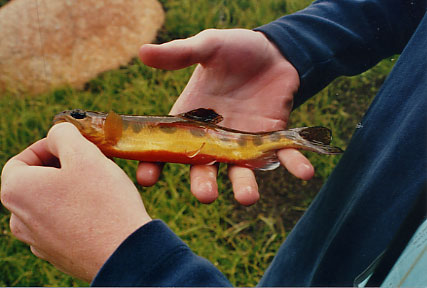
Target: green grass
(240,241)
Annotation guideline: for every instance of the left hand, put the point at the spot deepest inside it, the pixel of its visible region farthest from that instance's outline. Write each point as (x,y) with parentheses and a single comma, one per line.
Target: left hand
(75,215)
(245,78)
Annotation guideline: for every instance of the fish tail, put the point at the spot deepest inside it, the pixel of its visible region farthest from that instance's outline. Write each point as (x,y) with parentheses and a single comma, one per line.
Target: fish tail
(316,139)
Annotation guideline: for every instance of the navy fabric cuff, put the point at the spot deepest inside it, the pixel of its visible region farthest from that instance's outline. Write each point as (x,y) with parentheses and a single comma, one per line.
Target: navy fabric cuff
(154,256)
(137,256)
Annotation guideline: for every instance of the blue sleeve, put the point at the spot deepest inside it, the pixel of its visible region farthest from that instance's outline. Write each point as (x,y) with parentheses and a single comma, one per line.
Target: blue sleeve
(331,38)
(154,256)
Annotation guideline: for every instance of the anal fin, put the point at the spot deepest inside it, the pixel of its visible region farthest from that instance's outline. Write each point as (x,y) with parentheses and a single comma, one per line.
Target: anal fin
(268,161)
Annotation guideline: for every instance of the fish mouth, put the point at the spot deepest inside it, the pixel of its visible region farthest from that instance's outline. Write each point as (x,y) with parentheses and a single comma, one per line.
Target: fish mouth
(59,118)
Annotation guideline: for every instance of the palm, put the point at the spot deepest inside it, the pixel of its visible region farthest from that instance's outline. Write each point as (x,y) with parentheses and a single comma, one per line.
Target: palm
(244,79)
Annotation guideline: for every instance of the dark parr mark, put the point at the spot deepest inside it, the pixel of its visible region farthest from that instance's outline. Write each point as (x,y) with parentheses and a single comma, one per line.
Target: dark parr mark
(242,141)
(168,129)
(125,124)
(274,137)
(257,140)
(136,127)
(197,132)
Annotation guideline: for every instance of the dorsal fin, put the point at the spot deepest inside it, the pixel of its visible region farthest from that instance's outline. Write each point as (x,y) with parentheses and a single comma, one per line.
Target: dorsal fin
(202,115)
(113,128)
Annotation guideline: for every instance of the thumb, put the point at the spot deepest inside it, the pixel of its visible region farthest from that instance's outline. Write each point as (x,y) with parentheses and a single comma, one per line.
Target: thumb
(66,143)
(181,53)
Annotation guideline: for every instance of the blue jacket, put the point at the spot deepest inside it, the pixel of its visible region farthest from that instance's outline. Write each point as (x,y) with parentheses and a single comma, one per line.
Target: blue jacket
(361,206)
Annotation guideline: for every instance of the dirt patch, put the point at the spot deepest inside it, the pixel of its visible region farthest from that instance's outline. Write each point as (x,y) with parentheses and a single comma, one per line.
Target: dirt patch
(284,198)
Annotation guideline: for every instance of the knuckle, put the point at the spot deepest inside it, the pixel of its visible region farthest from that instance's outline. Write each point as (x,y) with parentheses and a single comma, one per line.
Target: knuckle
(210,36)
(10,185)
(6,193)
(58,129)
(209,32)
(5,197)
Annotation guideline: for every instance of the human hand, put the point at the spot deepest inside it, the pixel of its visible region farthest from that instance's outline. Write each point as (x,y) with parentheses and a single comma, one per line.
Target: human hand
(69,202)
(242,76)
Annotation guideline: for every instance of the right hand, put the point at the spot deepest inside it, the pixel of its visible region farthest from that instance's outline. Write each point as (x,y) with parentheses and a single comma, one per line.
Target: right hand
(69,202)
(245,78)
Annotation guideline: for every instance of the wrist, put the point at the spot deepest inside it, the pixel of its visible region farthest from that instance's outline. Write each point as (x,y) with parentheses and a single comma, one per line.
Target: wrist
(110,243)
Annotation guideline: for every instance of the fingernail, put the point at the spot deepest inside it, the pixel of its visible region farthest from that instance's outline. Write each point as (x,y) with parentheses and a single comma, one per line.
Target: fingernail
(203,185)
(304,167)
(246,195)
(305,171)
(205,191)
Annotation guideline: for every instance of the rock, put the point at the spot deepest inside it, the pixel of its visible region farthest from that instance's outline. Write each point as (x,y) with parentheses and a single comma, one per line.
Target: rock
(49,43)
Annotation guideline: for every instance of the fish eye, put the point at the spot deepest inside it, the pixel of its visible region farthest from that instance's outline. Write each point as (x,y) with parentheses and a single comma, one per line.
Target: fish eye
(78,114)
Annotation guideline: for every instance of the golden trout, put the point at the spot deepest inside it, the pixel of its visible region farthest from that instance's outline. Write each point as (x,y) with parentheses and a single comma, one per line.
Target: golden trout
(192,138)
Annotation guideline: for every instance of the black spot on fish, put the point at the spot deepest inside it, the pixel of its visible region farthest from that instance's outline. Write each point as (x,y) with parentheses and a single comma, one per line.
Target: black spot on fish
(198,132)
(78,114)
(168,129)
(257,140)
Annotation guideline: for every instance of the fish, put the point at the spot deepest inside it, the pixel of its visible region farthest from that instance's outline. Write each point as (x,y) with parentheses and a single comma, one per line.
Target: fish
(193,137)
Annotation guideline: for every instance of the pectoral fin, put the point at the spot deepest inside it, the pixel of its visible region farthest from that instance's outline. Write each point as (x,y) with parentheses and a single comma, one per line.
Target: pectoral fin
(192,154)
(113,128)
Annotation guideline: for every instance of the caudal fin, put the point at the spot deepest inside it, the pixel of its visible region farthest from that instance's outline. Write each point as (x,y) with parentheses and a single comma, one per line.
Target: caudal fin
(316,139)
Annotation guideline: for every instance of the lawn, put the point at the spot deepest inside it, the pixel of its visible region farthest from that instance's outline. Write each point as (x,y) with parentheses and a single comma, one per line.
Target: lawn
(240,241)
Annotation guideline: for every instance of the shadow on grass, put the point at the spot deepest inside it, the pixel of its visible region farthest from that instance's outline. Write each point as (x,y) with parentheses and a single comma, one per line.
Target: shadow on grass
(284,198)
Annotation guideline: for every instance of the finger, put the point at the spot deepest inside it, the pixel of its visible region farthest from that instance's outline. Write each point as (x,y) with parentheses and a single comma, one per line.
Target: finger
(66,142)
(244,184)
(296,163)
(181,53)
(203,182)
(148,173)
(20,230)
(22,169)
(36,154)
